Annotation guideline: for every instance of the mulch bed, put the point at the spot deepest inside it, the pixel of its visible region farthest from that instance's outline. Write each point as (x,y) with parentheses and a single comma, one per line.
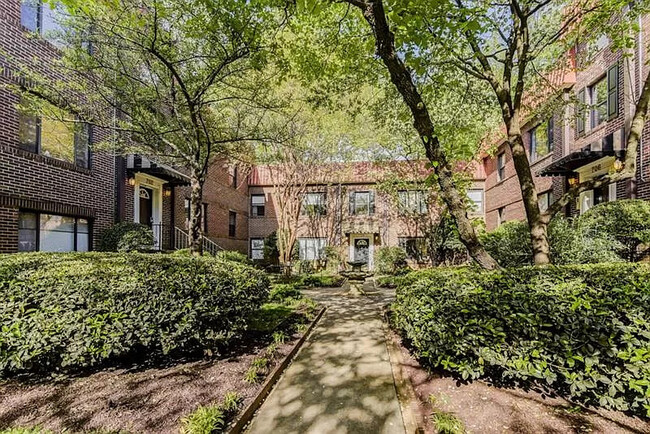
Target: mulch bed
(486,409)
(151,400)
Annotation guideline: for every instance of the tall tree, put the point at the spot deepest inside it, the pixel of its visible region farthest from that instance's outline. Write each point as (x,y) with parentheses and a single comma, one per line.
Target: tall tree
(178,79)
(409,81)
(513,47)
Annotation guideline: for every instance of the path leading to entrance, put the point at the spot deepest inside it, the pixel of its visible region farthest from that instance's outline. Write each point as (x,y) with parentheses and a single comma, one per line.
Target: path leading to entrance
(341,381)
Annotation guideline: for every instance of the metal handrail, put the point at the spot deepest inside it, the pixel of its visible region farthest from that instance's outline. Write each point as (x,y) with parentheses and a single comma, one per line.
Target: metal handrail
(182,241)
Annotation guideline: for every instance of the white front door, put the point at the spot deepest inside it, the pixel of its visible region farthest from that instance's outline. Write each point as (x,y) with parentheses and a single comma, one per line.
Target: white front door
(147,204)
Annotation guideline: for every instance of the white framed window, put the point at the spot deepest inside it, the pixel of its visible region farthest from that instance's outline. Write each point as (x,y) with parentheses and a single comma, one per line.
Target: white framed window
(545,200)
(362,202)
(257,249)
(52,233)
(314,204)
(475,196)
(501,166)
(311,249)
(413,201)
(258,205)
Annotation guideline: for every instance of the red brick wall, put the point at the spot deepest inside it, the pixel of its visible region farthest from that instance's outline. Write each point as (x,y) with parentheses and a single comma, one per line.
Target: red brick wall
(221,198)
(33,181)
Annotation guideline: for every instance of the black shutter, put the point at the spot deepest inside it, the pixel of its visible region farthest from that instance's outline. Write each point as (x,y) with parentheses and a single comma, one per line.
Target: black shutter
(580,112)
(550,134)
(612,92)
(351,203)
(371,200)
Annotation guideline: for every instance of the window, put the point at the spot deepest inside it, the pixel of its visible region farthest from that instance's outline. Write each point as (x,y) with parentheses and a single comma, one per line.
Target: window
(545,200)
(314,204)
(204,215)
(603,98)
(475,195)
(232,223)
(52,233)
(501,166)
(413,201)
(311,249)
(54,138)
(258,205)
(257,249)
(598,101)
(362,202)
(501,215)
(44,19)
(541,140)
(232,174)
(415,247)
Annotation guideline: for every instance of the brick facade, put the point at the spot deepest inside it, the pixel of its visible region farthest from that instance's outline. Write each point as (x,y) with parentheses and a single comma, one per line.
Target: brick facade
(506,195)
(36,182)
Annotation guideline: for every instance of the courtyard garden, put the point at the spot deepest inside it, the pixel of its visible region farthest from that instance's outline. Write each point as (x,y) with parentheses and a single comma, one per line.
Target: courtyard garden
(134,342)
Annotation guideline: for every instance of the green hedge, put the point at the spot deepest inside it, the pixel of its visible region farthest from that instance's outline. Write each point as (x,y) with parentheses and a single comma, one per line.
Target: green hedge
(582,331)
(65,312)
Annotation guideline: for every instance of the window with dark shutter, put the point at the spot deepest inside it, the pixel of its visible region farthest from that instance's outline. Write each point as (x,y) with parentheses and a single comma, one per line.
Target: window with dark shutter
(612,92)
(580,112)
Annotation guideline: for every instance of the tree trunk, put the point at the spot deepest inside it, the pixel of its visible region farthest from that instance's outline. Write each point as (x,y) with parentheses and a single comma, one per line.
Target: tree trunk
(374,14)
(537,224)
(195,237)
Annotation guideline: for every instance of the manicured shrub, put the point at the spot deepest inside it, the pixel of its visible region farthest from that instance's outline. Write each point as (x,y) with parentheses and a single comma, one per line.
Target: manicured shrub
(628,221)
(322,281)
(232,255)
(282,291)
(126,237)
(582,331)
(571,242)
(390,260)
(65,312)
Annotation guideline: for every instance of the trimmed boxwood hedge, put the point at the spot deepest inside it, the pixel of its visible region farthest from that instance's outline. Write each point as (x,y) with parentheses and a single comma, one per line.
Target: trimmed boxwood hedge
(60,313)
(582,331)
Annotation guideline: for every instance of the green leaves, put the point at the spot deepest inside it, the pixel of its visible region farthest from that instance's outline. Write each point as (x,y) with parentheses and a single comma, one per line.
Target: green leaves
(524,325)
(61,313)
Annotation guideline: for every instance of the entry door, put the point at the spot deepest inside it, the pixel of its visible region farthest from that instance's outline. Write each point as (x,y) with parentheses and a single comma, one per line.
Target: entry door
(361,249)
(146,206)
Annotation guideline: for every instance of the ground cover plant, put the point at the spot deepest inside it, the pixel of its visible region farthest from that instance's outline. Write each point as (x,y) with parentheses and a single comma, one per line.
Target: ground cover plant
(581,331)
(61,313)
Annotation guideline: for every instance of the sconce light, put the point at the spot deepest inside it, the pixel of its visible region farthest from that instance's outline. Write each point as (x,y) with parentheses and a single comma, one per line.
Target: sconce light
(131,182)
(167,192)
(618,165)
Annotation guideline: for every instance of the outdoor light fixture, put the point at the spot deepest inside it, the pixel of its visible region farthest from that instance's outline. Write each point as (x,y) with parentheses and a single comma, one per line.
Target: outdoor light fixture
(618,165)
(131,182)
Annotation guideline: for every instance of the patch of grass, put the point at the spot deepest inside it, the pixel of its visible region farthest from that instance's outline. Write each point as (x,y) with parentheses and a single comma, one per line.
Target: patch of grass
(211,419)
(447,423)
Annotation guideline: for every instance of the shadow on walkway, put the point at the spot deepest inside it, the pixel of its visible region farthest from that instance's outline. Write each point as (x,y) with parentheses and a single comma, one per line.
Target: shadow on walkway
(341,381)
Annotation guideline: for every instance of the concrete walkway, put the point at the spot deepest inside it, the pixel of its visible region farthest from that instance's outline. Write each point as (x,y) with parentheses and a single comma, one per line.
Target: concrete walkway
(341,381)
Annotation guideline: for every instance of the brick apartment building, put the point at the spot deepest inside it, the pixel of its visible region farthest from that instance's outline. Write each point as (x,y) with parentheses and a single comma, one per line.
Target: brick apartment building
(58,193)
(578,142)
(355,209)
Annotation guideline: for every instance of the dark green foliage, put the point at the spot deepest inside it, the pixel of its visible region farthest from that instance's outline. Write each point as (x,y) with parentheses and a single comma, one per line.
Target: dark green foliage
(582,331)
(283,291)
(232,255)
(390,260)
(126,237)
(64,312)
(271,252)
(571,242)
(322,281)
(628,221)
